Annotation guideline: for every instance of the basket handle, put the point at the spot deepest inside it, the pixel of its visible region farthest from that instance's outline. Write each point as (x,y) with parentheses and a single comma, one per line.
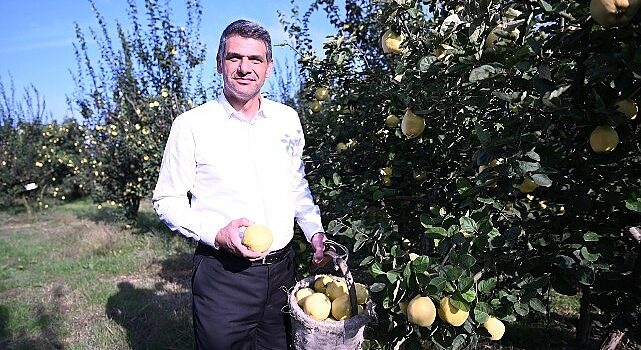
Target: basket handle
(339,255)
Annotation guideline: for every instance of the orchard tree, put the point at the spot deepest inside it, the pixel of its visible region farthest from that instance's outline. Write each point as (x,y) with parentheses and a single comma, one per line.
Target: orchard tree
(22,119)
(40,161)
(131,92)
(479,155)
(61,155)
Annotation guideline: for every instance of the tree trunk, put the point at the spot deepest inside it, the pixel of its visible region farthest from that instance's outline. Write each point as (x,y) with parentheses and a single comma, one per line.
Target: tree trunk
(613,340)
(131,208)
(585,319)
(26,205)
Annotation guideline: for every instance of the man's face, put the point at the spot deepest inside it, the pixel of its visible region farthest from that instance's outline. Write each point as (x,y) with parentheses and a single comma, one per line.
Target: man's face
(244,67)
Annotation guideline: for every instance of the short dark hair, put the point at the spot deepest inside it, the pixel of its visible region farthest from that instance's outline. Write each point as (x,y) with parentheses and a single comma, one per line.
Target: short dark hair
(246,29)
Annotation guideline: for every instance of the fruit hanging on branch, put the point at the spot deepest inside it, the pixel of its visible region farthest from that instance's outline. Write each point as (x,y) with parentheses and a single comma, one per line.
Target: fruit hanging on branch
(412,125)
(495,327)
(627,107)
(604,139)
(421,311)
(391,42)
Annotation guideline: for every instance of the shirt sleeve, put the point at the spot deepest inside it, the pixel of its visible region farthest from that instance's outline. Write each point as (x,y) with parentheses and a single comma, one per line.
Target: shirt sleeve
(177,176)
(307,213)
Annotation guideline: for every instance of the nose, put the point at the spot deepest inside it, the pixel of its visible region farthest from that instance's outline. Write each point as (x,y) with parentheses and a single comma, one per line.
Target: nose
(244,66)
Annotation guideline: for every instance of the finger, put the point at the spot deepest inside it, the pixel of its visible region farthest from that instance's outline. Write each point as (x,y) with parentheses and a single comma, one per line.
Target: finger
(243,222)
(249,254)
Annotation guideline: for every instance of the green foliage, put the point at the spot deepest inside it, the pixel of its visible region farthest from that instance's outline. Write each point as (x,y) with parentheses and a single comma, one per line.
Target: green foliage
(450,213)
(40,163)
(130,94)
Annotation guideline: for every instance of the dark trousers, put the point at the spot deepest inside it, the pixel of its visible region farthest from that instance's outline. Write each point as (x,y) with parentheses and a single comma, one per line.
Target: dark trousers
(239,305)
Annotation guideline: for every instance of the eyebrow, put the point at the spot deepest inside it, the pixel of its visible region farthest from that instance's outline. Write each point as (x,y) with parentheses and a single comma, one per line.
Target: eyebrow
(237,55)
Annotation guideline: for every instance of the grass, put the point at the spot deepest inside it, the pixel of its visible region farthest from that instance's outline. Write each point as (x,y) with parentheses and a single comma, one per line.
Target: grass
(70,278)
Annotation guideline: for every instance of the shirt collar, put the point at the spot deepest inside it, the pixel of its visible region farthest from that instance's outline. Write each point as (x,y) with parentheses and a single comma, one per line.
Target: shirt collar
(232,113)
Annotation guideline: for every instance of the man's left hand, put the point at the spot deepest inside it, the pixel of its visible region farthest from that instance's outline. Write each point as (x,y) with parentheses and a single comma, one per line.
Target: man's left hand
(319,259)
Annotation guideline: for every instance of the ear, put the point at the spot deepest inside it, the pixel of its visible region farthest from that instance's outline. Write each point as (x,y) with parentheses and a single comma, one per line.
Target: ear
(270,68)
(219,64)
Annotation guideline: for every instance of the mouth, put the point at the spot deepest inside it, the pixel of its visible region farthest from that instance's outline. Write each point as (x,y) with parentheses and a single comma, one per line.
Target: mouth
(244,81)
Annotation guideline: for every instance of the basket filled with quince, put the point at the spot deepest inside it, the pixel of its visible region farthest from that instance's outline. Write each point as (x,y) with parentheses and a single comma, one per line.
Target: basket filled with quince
(328,311)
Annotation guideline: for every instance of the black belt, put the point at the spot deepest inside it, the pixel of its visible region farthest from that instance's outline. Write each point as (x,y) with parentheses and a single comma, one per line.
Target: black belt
(271,258)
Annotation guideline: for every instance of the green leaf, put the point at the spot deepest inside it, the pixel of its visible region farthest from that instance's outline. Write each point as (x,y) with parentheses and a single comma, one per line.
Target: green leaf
(521,309)
(484,307)
(336,178)
(465,283)
(528,167)
(483,136)
(586,276)
(469,295)
(439,231)
(377,287)
(486,286)
(537,305)
(360,241)
(392,276)
(439,283)
(376,269)
(481,73)
(512,97)
(480,316)
(463,185)
(589,256)
(546,6)
(467,261)
(534,156)
(453,272)
(420,264)
(426,62)
(468,224)
(541,180)
(563,261)
(366,261)
(634,203)
(459,342)
(407,272)
(591,237)
(459,302)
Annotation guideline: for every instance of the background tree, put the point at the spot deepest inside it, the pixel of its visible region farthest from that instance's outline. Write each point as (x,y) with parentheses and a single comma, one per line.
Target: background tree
(131,92)
(21,122)
(460,159)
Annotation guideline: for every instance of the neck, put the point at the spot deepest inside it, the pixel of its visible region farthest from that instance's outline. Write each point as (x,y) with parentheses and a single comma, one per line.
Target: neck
(248,108)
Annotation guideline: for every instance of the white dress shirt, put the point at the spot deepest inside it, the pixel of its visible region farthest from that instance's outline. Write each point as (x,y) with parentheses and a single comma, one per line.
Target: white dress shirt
(235,168)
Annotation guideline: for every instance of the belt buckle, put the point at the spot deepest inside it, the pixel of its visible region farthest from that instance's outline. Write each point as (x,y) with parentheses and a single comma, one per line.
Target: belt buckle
(267,259)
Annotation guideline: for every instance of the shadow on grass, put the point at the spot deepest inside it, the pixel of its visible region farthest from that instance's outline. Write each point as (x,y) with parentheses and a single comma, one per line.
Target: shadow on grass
(177,269)
(153,319)
(158,317)
(4,328)
(45,330)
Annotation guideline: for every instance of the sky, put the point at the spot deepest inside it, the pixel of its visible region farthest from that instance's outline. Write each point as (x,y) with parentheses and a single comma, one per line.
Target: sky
(36,45)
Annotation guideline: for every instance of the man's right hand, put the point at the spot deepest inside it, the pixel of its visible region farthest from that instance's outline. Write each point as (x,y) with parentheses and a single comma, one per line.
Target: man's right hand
(228,238)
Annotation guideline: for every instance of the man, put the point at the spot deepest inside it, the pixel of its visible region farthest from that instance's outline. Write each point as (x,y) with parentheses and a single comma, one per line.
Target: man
(239,157)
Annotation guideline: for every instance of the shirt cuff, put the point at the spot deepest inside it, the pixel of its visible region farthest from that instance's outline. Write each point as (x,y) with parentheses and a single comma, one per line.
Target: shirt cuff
(209,228)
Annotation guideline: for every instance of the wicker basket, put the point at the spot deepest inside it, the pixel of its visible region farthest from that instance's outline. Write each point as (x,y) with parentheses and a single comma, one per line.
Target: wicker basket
(310,334)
